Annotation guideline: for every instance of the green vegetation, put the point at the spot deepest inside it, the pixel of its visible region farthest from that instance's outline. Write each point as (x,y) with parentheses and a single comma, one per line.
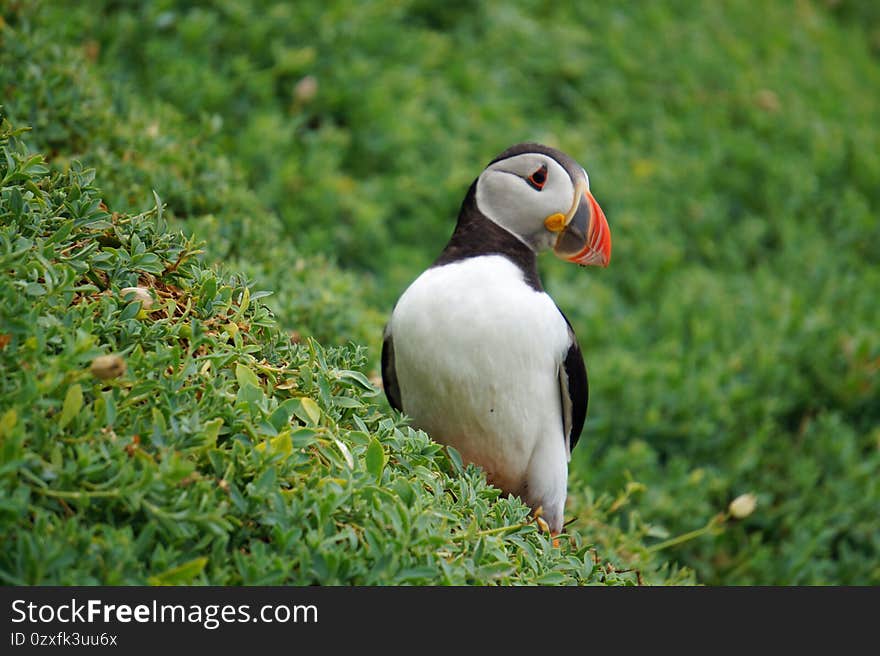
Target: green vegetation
(320,151)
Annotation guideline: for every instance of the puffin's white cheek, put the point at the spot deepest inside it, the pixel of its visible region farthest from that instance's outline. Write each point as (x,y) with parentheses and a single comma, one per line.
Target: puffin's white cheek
(497,197)
(507,200)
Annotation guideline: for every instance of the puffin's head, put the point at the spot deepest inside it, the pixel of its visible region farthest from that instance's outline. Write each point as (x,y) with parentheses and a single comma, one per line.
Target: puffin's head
(543,197)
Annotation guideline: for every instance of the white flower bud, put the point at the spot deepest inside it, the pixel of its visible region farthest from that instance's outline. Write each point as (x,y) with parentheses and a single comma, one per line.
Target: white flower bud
(306,89)
(140,294)
(743,506)
(106,367)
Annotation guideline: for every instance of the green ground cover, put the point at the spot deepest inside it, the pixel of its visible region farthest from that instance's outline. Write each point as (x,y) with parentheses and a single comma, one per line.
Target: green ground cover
(320,151)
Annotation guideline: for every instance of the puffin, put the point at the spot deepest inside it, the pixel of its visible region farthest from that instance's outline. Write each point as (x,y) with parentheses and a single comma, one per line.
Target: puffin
(477,354)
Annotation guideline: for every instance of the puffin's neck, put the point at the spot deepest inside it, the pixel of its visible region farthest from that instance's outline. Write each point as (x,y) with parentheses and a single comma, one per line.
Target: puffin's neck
(475,235)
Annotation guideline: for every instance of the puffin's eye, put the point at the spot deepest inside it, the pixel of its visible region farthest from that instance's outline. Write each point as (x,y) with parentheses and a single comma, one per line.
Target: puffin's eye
(537,179)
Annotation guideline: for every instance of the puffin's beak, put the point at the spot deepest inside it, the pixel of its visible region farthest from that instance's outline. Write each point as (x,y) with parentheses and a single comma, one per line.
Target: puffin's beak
(585,238)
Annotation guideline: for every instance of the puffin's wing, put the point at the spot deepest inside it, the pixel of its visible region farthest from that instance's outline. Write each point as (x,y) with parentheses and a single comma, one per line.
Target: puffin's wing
(574,390)
(389,373)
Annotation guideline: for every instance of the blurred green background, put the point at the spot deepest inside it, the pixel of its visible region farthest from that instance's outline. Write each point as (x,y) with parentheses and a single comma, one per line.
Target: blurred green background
(324,148)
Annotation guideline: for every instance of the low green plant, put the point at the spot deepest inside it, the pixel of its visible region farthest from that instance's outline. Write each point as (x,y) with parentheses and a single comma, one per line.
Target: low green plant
(732,344)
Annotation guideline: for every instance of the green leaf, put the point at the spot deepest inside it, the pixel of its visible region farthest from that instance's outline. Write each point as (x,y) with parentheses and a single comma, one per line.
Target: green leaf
(241,503)
(346,402)
(130,311)
(375,458)
(358,379)
(280,444)
(416,574)
(160,427)
(303,437)
(180,575)
(247,393)
(148,262)
(7,422)
(551,578)
(280,417)
(61,233)
(137,246)
(212,430)
(245,376)
(244,304)
(308,411)
(478,550)
(267,482)
(109,407)
(455,459)
(73,401)
(208,291)
(159,206)
(34,289)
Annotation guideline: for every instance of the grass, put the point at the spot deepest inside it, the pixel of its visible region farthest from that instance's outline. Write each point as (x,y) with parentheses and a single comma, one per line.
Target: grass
(732,345)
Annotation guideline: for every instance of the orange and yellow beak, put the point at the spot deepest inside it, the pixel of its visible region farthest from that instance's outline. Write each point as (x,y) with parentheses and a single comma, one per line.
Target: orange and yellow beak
(583,234)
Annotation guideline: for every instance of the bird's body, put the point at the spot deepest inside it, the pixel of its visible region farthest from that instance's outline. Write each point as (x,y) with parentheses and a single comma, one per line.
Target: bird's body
(482,359)
(477,354)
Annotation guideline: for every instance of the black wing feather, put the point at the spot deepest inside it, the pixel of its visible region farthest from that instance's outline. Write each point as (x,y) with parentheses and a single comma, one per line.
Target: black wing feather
(575,384)
(389,373)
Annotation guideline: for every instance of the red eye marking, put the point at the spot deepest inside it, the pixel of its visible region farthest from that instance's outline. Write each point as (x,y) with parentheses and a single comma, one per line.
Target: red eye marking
(537,179)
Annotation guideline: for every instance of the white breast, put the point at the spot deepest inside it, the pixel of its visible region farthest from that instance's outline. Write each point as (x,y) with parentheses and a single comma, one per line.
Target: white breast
(477,355)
